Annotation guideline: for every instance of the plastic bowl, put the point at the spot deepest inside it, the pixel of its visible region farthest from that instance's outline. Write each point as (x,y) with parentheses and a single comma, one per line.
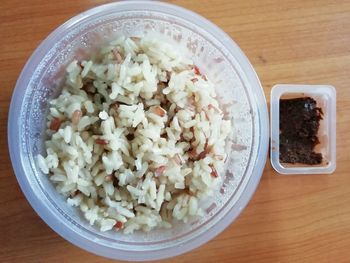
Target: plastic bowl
(213,51)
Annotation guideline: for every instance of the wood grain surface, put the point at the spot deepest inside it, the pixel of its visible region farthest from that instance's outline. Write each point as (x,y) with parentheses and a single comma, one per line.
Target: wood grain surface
(290,218)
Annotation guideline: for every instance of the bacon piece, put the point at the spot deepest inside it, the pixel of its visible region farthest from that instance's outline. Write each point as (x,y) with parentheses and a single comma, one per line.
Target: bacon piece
(159,111)
(196,70)
(193,154)
(117,56)
(55,124)
(213,173)
(202,155)
(101,141)
(118,225)
(74,193)
(109,178)
(161,85)
(160,170)
(76,116)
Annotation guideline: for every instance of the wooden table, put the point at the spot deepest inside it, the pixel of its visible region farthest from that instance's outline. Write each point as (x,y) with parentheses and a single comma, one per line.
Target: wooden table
(290,218)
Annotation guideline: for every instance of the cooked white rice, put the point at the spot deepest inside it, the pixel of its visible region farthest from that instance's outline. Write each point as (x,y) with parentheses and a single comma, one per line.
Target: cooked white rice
(136,138)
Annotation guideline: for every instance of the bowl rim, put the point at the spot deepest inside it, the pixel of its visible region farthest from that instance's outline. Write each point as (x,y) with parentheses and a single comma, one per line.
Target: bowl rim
(81,241)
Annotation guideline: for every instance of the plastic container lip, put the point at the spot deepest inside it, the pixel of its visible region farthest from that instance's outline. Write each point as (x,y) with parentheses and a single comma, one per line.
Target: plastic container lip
(325,96)
(63,228)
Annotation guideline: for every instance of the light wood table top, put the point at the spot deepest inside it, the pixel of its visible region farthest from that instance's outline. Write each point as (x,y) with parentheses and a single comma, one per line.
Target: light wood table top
(290,218)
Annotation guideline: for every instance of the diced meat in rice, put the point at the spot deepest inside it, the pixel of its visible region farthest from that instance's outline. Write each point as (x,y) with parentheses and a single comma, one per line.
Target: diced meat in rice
(136,139)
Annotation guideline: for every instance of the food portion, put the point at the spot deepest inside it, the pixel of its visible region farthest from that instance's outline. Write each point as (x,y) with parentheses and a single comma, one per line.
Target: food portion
(136,137)
(299,124)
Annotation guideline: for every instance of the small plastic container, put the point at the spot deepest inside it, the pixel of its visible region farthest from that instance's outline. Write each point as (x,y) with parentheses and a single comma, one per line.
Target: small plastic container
(325,97)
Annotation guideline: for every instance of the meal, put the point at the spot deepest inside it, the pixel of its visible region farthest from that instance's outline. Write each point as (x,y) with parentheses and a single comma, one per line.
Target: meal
(136,138)
(299,125)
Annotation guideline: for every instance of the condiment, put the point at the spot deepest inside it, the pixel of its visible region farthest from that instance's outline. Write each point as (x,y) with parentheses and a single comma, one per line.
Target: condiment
(299,124)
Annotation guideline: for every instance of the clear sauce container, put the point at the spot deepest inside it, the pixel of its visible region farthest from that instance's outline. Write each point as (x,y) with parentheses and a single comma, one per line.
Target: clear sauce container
(325,97)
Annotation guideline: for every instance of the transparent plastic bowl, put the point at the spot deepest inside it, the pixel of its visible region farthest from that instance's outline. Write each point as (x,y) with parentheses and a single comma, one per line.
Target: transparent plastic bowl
(217,56)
